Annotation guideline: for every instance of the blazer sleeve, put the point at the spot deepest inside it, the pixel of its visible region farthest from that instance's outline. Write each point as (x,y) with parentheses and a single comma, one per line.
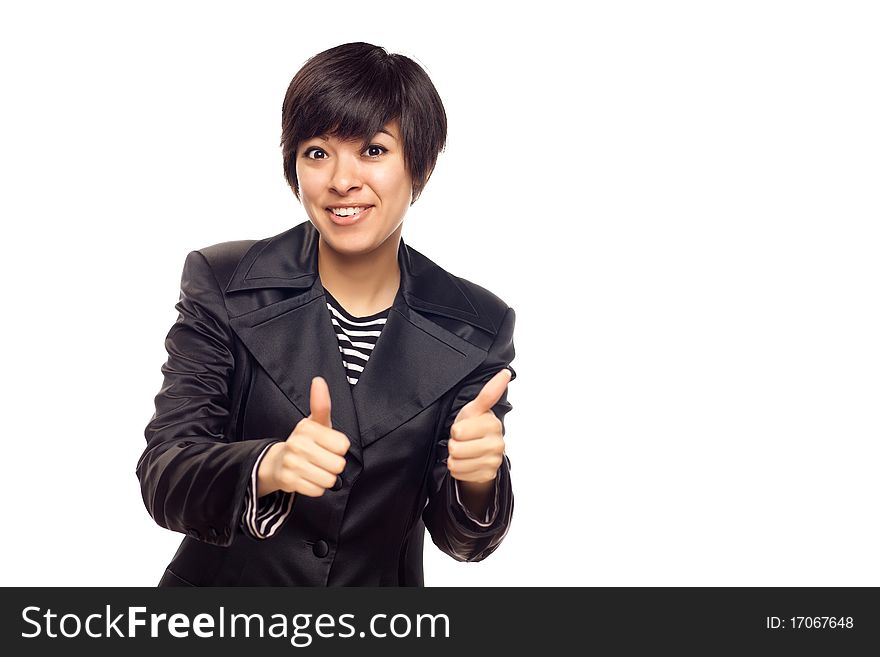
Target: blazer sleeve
(193,477)
(453,529)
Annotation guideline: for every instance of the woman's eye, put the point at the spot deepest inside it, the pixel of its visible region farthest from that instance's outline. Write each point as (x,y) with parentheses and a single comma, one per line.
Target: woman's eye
(315,153)
(374,150)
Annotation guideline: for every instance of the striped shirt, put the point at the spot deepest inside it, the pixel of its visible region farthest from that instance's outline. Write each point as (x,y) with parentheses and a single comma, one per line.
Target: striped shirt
(357,337)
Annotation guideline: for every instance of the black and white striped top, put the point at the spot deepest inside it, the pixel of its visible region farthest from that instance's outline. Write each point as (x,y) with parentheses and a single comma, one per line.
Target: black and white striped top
(357,337)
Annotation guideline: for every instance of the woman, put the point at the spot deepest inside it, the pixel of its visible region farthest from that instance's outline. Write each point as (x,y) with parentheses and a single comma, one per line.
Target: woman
(330,392)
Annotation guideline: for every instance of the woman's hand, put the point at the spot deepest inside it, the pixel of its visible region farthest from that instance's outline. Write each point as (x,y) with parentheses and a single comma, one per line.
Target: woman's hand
(311,457)
(476,442)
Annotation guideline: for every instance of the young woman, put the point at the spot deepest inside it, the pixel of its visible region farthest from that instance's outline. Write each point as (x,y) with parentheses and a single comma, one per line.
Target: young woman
(330,392)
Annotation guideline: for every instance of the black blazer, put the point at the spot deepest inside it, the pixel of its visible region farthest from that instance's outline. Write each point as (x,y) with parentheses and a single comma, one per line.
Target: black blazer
(253,330)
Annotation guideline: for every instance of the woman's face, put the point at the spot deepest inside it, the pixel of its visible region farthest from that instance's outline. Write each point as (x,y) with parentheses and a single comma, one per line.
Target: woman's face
(355,198)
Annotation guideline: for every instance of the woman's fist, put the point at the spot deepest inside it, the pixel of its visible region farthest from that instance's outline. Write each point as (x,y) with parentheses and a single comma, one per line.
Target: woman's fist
(311,457)
(476,440)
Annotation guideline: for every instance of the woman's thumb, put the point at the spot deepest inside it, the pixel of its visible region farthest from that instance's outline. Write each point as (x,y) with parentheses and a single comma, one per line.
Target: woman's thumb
(319,402)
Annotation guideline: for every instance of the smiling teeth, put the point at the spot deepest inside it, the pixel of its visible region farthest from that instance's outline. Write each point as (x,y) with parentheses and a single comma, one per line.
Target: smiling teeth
(346,212)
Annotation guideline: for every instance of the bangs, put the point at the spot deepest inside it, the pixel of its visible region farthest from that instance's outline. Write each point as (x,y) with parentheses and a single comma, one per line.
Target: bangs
(355,105)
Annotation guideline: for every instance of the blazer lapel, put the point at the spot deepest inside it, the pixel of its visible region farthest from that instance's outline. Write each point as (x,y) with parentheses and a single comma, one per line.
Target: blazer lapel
(294,341)
(278,310)
(414,363)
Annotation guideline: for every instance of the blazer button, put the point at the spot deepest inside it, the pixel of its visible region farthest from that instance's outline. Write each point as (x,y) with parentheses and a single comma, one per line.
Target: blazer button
(321,549)
(338,484)
(192,531)
(212,532)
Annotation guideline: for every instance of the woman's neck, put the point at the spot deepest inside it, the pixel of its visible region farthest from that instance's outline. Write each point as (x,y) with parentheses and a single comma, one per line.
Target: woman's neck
(364,285)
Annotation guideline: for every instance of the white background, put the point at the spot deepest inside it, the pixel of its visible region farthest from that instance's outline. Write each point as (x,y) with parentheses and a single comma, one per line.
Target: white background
(679,199)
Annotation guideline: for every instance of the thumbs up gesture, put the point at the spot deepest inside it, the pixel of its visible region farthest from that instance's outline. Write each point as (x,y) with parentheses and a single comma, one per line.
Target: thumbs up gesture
(311,457)
(476,444)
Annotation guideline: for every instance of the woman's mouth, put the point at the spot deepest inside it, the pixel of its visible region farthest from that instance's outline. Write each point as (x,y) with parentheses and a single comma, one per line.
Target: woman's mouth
(346,216)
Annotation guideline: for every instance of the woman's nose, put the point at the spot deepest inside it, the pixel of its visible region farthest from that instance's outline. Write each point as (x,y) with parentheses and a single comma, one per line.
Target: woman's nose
(346,175)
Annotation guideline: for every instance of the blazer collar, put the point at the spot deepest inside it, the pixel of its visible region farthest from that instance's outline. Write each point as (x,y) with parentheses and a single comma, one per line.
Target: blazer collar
(292,338)
(290,260)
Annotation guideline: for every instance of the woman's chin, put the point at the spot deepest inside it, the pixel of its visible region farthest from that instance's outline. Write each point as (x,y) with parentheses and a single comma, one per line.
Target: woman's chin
(347,244)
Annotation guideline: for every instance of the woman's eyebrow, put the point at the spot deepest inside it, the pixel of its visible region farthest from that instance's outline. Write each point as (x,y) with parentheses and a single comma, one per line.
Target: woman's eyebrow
(388,133)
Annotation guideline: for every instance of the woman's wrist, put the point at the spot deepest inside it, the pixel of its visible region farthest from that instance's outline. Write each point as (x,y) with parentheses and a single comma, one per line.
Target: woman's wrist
(476,496)
(266,483)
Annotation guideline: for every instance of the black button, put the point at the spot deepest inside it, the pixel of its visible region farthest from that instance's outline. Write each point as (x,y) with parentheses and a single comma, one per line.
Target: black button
(192,531)
(185,443)
(212,532)
(321,549)
(338,484)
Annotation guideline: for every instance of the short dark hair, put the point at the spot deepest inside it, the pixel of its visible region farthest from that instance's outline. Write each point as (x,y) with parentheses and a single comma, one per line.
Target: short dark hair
(350,92)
